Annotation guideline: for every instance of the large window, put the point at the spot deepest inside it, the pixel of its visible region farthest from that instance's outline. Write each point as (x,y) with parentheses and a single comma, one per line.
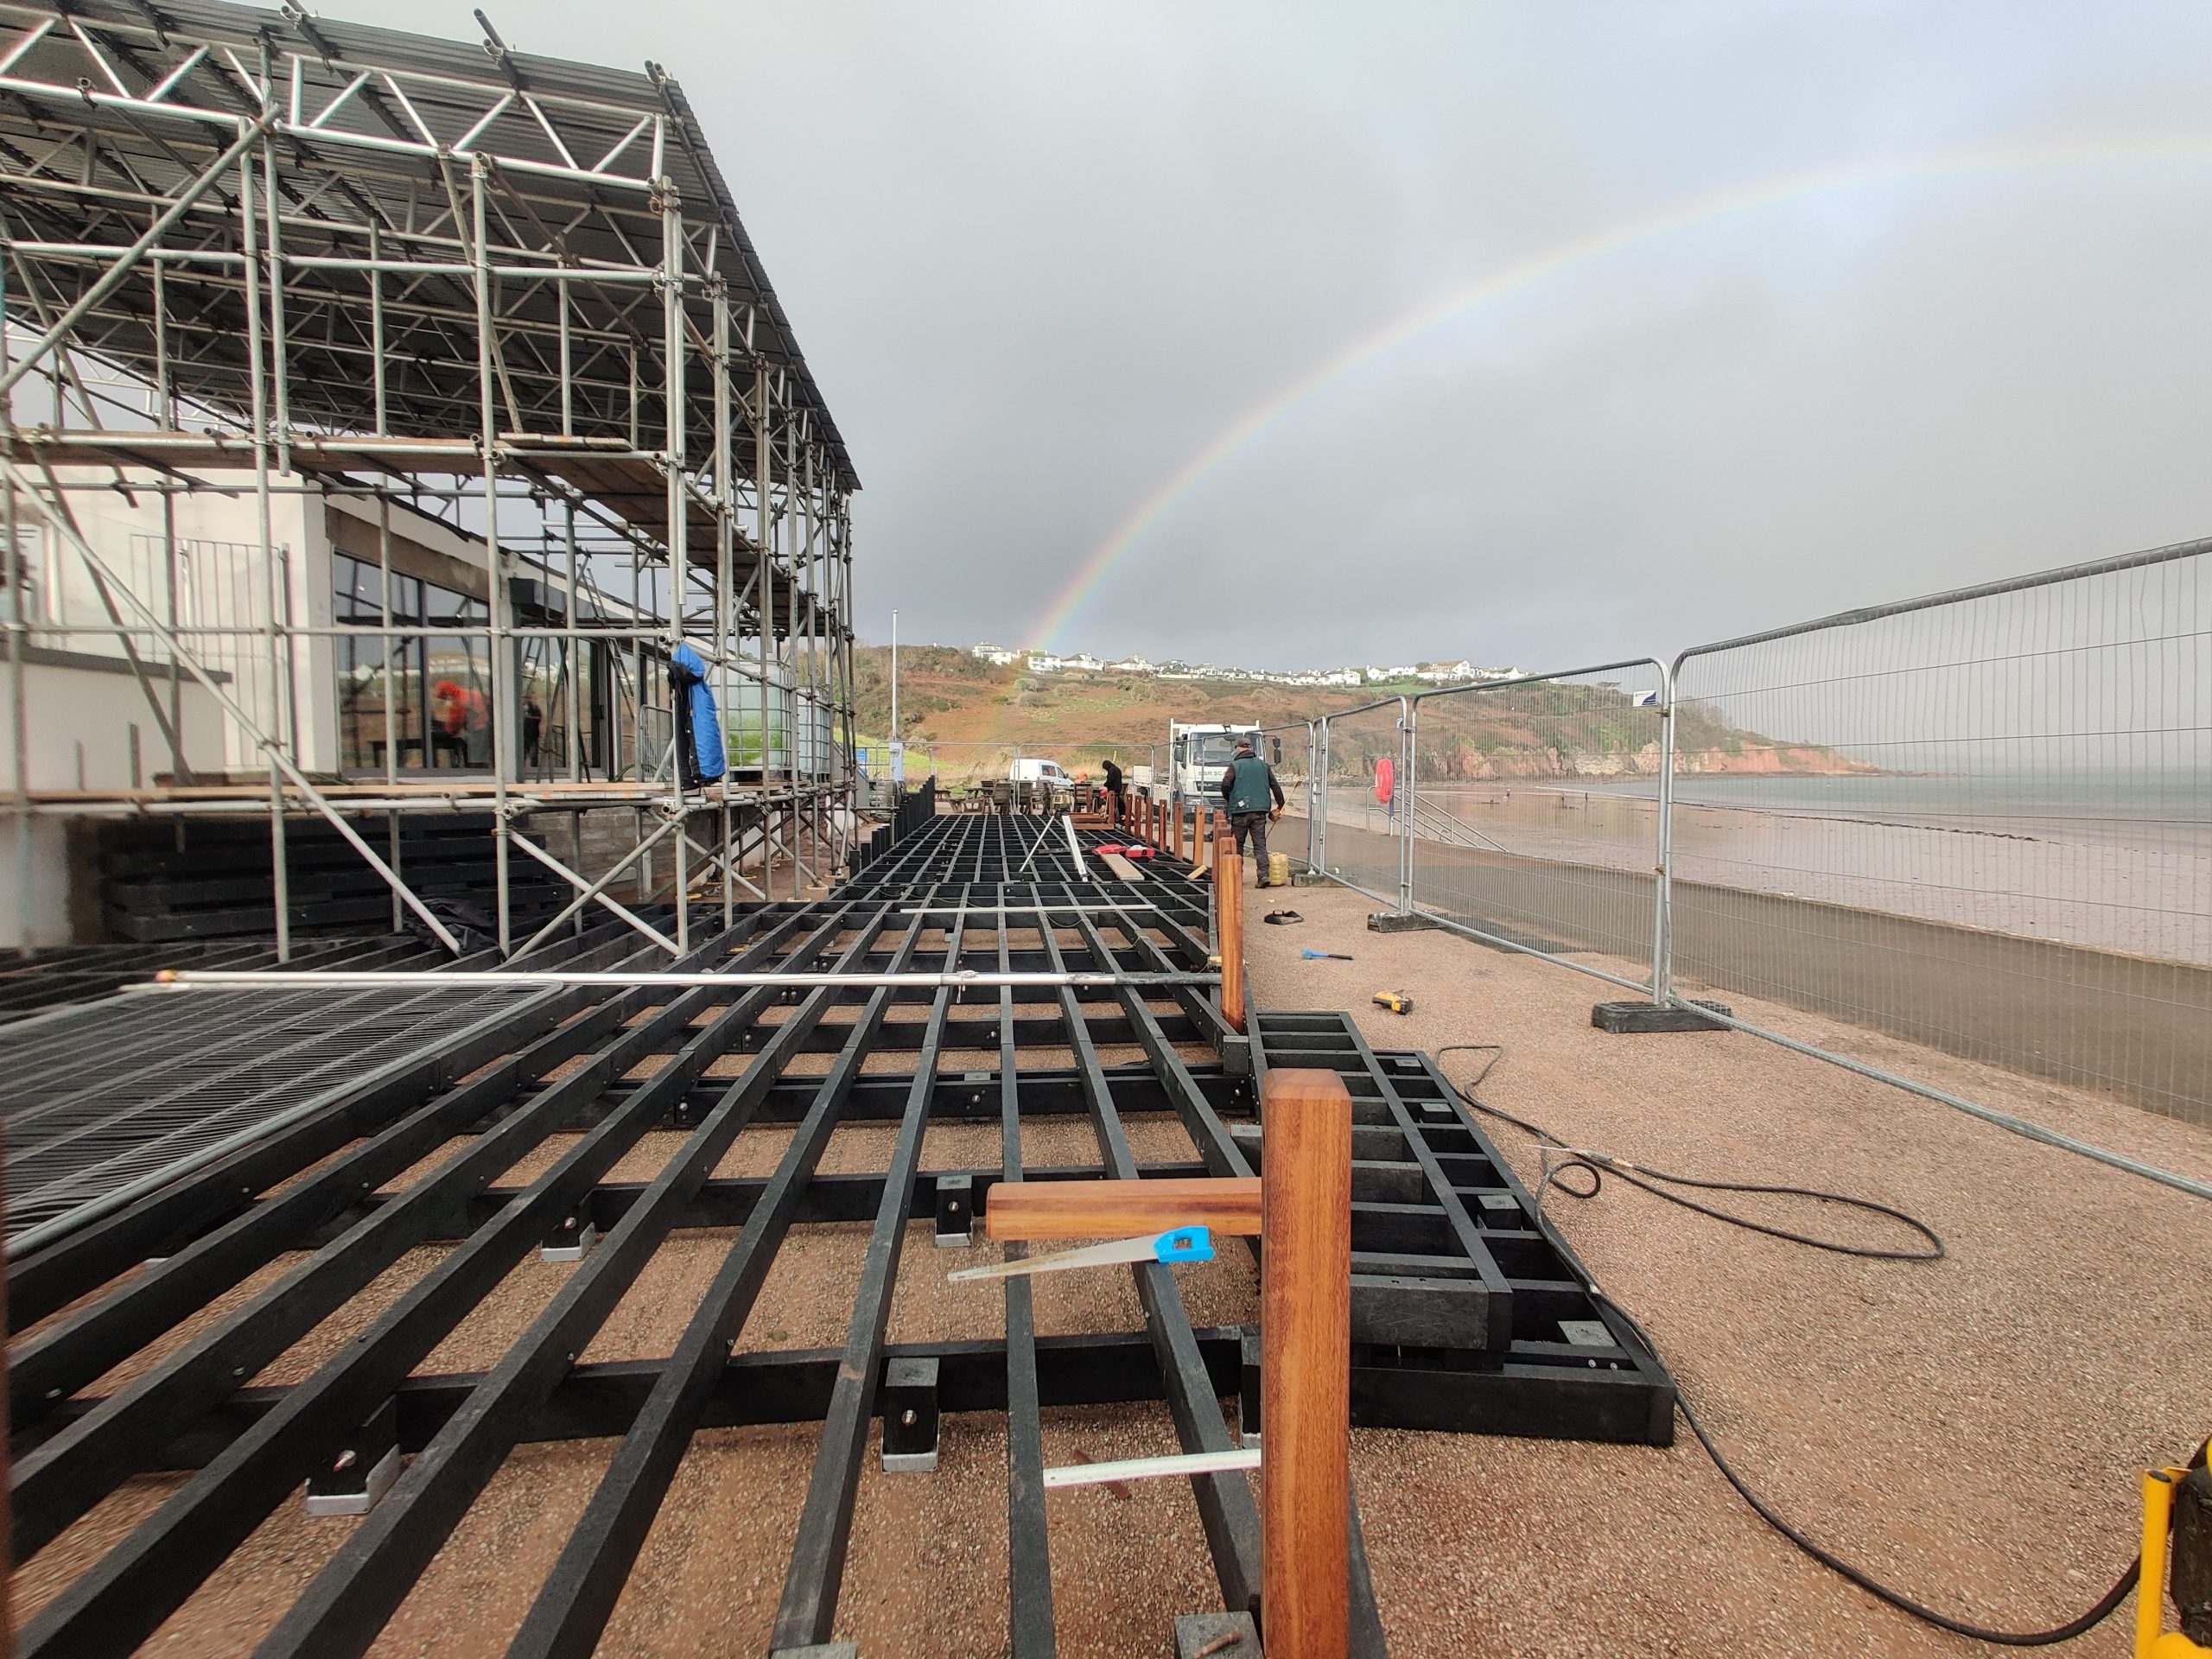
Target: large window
(426,702)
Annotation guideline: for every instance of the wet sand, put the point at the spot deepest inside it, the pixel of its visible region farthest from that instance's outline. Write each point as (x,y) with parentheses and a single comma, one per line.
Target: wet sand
(2138,1029)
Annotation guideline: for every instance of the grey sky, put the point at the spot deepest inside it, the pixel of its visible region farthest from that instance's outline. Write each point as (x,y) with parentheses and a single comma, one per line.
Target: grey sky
(1041,255)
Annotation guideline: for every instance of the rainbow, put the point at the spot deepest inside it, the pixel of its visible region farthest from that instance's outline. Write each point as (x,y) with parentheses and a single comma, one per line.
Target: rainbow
(2189,149)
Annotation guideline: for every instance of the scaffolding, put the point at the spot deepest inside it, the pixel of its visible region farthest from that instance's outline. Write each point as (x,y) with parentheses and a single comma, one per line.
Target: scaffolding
(439,293)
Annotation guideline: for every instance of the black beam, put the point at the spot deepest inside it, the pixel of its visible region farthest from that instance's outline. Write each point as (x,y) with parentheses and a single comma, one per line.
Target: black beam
(817,1571)
(124,1596)
(342,1611)
(599,1401)
(573,1607)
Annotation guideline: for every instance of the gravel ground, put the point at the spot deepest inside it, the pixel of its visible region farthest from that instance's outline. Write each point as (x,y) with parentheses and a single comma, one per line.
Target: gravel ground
(1968,1431)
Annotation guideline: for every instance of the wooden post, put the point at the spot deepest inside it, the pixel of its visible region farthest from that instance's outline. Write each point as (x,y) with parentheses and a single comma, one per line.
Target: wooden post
(1229,923)
(1302,1207)
(1305,1366)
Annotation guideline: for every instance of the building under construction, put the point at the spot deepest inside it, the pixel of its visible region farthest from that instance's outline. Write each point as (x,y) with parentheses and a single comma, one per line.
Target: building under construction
(384,414)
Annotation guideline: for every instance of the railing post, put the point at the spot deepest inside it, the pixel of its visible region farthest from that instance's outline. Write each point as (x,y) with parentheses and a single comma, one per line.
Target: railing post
(1409,758)
(1229,922)
(1312,792)
(1321,796)
(1306,1364)
(1302,1210)
(1663,894)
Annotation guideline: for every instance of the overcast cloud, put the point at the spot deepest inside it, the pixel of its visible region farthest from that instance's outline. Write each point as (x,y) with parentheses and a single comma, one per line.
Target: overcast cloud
(1040,255)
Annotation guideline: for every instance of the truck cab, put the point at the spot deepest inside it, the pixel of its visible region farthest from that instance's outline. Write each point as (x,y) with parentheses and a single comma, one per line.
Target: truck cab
(1199,755)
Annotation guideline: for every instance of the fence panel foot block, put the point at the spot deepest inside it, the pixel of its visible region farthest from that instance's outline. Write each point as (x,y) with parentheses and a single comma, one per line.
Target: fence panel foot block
(1637,1019)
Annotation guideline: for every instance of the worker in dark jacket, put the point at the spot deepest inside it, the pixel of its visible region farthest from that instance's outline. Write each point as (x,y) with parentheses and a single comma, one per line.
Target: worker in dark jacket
(1246,785)
(1113,796)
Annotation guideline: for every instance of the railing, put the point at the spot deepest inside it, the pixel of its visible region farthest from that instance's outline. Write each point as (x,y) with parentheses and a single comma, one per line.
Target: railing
(1976,828)
(1361,767)
(1524,827)
(1294,749)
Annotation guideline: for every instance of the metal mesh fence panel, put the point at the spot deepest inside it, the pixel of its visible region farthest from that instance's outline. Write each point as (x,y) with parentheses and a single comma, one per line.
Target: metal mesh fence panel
(1362,753)
(1536,813)
(1981,823)
(1291,750)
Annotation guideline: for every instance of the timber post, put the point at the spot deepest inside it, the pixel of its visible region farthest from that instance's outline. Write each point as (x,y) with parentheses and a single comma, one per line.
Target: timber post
(1306,1364)
(1302,1206)
(1229,914)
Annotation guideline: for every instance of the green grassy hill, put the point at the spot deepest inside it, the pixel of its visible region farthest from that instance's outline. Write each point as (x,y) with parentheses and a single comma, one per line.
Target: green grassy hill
(970,717)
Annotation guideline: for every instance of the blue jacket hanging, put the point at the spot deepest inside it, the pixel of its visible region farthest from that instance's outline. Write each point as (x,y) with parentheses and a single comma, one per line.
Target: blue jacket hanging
(700,758)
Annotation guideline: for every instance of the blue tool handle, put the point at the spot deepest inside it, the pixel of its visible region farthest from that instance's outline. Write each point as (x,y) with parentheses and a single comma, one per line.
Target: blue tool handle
(1183,1244)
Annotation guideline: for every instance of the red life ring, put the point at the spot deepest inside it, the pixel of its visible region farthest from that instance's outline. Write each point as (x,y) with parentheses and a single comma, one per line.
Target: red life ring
(1385,780)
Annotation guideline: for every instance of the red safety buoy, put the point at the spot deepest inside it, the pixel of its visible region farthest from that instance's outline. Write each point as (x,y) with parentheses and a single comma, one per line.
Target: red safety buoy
(1385,780)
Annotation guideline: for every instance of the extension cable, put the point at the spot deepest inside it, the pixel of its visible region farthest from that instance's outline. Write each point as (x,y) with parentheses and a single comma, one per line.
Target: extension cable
(1655,1182)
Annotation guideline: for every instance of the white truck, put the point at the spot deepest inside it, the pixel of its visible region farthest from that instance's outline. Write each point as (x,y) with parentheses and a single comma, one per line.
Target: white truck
(1198,756)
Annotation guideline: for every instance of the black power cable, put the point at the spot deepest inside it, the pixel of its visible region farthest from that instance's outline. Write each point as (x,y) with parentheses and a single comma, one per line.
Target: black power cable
(1598,1165)
(1636,1175)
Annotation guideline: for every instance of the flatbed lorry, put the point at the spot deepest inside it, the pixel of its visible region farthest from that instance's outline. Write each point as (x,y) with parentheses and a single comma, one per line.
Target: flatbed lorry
(1197,757)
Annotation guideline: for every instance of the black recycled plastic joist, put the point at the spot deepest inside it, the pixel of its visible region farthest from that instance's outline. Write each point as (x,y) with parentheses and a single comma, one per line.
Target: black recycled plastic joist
(581,1076)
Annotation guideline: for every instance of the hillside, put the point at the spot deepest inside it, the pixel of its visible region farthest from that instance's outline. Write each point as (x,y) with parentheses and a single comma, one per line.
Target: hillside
(971,716)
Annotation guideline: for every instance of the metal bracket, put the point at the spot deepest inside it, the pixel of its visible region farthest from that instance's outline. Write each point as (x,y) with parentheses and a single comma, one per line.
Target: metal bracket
(571,1239)
(956,1211)
(359,1473)
(1248,1390)
(910,1416)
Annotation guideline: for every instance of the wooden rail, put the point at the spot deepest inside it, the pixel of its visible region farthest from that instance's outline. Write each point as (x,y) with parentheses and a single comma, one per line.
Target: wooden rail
(1038,1210)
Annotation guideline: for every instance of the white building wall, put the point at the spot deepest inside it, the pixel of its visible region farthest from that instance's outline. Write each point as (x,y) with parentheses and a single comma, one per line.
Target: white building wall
(49,888)
(81,721)
(222,583)
(81,718)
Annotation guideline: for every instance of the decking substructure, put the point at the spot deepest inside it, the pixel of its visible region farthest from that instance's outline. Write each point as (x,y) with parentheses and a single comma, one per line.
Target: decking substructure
(1456,1307)
(1469,1313)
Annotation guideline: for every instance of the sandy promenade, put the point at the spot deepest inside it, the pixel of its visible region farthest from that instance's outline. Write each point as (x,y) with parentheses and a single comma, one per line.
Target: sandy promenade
(1968,1431)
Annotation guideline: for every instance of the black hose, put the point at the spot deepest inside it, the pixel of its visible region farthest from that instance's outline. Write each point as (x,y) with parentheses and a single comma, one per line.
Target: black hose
(1593,1163)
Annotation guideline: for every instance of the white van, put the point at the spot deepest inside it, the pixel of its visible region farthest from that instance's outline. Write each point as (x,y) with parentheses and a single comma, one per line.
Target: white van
(1047,773)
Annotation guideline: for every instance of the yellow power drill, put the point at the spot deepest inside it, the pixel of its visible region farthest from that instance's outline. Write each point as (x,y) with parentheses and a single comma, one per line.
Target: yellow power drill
(2176,1526)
